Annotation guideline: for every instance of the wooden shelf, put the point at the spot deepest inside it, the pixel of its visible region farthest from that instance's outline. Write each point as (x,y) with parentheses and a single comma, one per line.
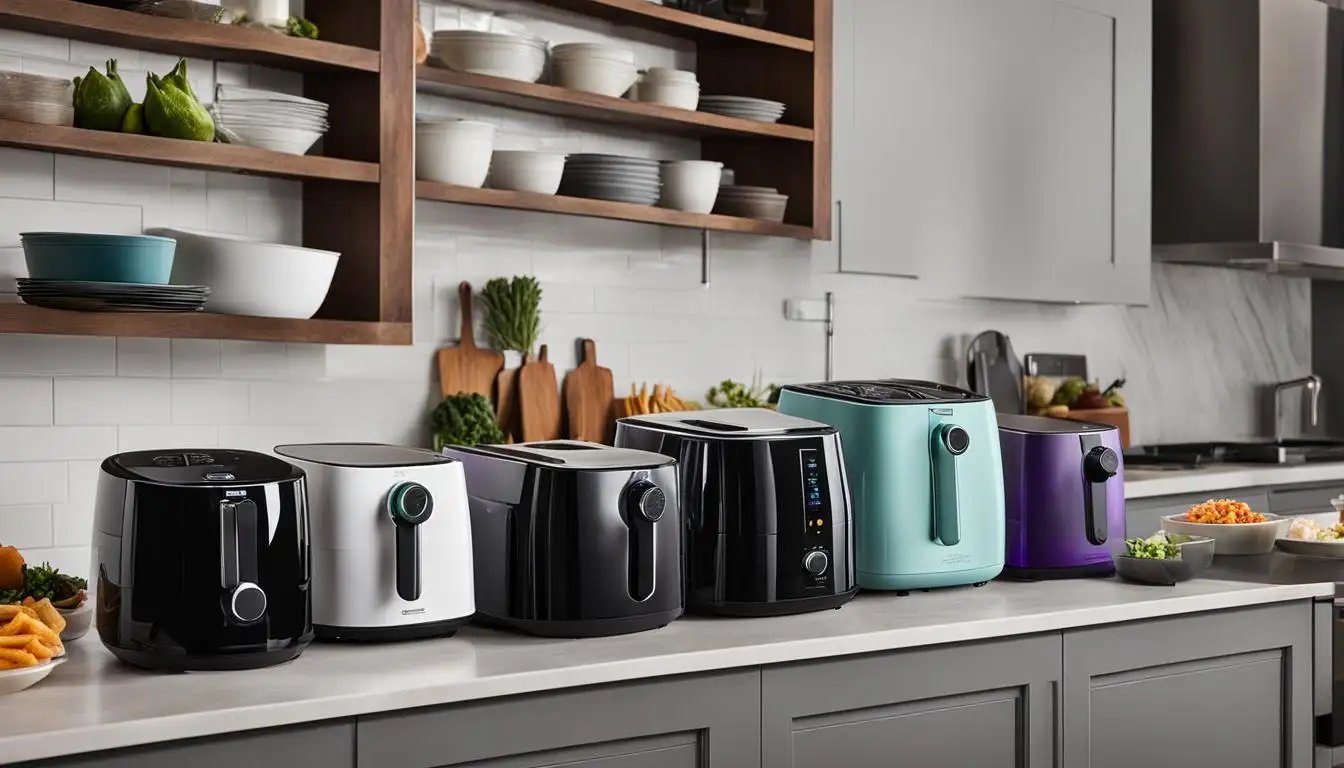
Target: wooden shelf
(678,23)
(186,154)
(21,318)
(182,37)
(553,100)
(603,209)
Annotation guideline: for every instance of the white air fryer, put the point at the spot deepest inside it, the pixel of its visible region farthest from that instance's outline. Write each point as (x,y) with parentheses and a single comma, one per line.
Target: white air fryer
(391,541)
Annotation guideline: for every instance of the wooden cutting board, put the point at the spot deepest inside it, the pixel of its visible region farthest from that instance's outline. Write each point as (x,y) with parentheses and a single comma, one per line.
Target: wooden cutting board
(506,401)
(539,400)
(466,367)
(588,396)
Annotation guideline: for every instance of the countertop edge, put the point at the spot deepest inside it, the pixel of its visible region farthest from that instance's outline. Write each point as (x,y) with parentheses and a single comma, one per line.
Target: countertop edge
(1227,478)
(45,746)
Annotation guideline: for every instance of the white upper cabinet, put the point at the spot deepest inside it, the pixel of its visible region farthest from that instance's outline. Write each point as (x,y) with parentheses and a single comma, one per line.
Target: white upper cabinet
(997,148)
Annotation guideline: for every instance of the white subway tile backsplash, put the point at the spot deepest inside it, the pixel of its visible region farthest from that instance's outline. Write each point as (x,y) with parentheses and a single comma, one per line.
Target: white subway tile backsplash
(209,401)
(144,357)
(113,401)
(26,526)
(57,355)
(73,517)
(26,174)
(25,401)
(148,438)
(56,443)
(18,215)
(195,358)
(93,180)
(32,482)
(12,266)
(254,360)
(28,44)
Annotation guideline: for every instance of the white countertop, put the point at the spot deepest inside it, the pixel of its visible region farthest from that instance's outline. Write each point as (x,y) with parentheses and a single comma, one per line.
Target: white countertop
(92,702)
(1144,483)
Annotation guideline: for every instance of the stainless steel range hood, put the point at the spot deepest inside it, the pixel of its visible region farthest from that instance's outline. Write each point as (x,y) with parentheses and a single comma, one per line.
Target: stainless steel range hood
(1248,135)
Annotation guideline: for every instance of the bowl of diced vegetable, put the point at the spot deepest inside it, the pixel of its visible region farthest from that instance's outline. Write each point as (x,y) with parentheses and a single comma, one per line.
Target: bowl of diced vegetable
(1163,559)
(1235,528)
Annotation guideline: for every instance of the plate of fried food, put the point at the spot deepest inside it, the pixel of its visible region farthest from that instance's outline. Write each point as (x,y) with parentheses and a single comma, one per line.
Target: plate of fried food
(1235,528)
(30,644)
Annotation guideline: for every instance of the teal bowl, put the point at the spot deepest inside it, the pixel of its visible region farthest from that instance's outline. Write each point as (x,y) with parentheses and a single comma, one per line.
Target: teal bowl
(98,258)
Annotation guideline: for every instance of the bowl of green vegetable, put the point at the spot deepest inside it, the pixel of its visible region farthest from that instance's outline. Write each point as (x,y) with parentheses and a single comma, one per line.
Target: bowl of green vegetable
(67,593)
(1163,561)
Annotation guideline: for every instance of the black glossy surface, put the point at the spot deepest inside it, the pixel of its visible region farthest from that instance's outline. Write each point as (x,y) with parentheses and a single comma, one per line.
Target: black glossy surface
(754,510)
(193,466)
(169,562)
(390,634)
(566,553)
(889,392)
(1044,425)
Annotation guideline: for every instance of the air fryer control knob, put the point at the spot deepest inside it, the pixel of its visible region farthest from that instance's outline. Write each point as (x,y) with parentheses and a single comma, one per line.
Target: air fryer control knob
(955,439)
(647,500)
(816,562)
(247,603)
(1100,464)
(410,504)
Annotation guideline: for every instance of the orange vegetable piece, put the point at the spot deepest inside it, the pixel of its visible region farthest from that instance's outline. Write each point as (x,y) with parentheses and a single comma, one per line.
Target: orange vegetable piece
(11,568)
(1223,512)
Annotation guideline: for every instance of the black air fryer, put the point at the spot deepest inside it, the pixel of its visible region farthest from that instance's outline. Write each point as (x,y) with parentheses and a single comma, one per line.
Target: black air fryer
(573,539)
(765,506)
(201,559)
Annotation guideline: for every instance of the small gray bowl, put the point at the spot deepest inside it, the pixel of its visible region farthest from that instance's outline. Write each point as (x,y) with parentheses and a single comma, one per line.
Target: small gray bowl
(1144,570)
(1198,551)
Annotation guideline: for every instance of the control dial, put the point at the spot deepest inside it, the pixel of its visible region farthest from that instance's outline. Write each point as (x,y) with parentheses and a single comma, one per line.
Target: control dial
(410,504)
(647,500)
(816,562)
(247,603)
(1100,464)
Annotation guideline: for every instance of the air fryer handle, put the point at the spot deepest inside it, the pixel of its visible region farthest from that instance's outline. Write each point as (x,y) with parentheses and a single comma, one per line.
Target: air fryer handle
(949,441)
(238,543)
(409,504)
(645,503)
(408,562)
(1099,465)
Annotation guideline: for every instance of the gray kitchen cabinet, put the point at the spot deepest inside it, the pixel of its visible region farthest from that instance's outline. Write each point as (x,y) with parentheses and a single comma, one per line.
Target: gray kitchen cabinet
(996,148)
(984,704)
(1144,516)
(1304,499)
(698,721)
(329,744)
(1232,689)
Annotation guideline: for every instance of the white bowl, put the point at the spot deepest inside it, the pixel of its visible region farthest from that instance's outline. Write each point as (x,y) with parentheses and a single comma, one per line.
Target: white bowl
(291,141)
(691,185)
(667,92)
(509,56)
(609,78)
(77,620)
(454,152)
(1232,538)
(15,680)
(590,51)
(526,171)
(669,74)
(247,277)
(750,208)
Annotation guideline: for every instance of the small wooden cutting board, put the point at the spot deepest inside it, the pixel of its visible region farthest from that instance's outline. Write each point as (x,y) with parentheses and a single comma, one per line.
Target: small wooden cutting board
(539,400)
(466,367)
(588,396)
(506,403)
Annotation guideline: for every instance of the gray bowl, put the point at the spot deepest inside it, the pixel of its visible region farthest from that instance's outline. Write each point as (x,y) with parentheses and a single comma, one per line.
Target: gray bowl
(1145,570)
(1198,551)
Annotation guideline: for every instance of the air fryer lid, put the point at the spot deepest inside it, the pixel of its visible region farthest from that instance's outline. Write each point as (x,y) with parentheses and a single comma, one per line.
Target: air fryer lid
(201,467)
(1044,425)
(371,455)
(888,392)
(574,454)
(731,423)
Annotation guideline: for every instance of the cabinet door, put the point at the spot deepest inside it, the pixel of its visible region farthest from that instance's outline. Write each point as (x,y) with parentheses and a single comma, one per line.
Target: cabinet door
(701,721)
(330,745)
(916,708)
(1231,689)
(1303,500)
(997,148)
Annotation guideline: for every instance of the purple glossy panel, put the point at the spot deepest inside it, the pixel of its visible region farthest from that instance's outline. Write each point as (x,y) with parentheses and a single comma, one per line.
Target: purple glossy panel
(1043,488)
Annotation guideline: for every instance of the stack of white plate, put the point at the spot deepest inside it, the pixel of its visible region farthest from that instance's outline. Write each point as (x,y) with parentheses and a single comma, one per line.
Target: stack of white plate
(489,53)
(613,177)
(671,87)
(268,119)
(752,203)
(745,107)
(593,67)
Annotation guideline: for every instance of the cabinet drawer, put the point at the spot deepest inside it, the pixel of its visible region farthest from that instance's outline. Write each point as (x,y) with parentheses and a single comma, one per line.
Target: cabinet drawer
(1304,500)
(693,721)
(330,745)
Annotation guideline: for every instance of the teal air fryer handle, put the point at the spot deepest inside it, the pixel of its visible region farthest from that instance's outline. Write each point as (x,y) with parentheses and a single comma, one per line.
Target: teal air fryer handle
(948,442)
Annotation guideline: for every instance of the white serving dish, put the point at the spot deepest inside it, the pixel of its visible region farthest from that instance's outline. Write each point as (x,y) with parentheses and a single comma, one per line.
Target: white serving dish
(592,51)
(249,277)
(526,171)
(15,680)
(1330,549)
(1232,538)
(602,76)
(490,53)
(667,92)
(671,75)
(292,141)
(691,185)
(454,152)
(77,620)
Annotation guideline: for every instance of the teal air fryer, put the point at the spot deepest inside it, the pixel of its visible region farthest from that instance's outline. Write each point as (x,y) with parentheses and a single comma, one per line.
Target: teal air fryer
(925,478)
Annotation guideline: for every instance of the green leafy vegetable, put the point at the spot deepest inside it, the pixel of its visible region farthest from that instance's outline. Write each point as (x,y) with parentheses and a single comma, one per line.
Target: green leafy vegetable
(731,394)
(297,26)
(1069,391)
(1155,547)
(465,419)
(513,312)
(41,581)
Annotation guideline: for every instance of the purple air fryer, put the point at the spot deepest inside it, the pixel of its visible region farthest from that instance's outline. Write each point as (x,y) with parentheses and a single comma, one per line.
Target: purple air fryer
(1065,497)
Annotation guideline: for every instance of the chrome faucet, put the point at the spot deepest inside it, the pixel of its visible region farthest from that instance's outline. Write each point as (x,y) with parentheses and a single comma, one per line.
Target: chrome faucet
(1313,385)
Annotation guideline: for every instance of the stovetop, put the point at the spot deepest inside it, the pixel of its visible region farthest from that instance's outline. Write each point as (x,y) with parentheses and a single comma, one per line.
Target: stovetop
(1196,455)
